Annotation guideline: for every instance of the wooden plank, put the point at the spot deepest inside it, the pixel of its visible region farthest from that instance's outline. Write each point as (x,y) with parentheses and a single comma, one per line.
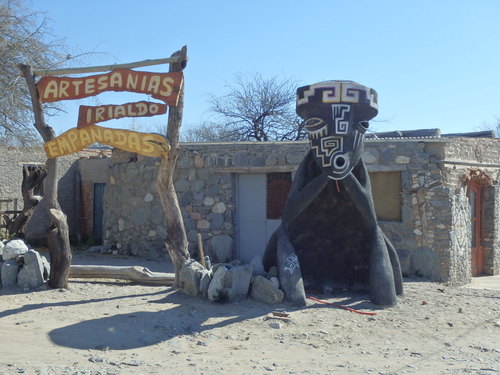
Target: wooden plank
(161,86)
(105,68)
(89,115)
(74,140)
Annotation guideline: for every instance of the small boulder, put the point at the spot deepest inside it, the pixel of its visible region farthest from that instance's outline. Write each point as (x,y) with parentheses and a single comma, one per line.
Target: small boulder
(46,267)
(216,291)
(205,279)
(189,277)
(31,275)
(237,282)
(275,282)
(264,290)
(13,249)
(8,273)
(273,272)
(258,267)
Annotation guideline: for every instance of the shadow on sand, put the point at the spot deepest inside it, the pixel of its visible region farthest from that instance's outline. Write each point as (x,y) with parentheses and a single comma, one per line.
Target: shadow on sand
(190,315)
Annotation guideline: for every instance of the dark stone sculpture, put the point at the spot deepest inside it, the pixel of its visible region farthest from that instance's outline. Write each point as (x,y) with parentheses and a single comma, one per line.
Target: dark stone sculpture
(329,236)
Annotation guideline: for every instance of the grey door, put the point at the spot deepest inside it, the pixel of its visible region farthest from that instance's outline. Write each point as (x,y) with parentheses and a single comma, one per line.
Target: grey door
(254,229)
(98,212)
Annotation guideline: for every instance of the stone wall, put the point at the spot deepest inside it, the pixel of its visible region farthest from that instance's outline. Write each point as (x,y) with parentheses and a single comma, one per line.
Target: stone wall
(205,183)
(432,237)
(421,237)
(461,156)
(491,239)
(11,176)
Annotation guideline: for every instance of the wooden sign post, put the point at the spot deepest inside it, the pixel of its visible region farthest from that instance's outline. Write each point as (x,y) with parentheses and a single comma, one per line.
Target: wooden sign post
(176,241)
(167,87)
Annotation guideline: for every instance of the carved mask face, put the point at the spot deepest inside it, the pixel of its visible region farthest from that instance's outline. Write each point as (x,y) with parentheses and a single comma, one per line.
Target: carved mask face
(336,115)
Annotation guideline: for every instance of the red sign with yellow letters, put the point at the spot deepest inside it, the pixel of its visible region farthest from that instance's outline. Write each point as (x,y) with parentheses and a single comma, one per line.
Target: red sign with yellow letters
(161,86)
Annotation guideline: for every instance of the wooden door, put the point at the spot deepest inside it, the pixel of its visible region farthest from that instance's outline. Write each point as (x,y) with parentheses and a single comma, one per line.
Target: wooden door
(475,200)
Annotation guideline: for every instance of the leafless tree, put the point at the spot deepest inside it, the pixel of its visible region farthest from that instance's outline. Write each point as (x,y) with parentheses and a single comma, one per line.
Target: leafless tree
(24,38)
(254,109)
(493,126)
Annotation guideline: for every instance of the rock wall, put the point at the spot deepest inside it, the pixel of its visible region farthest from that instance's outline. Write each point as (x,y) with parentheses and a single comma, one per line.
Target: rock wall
(11,166)
(462,156)
(491,240)
(422,236)
(432,237)
(205,183)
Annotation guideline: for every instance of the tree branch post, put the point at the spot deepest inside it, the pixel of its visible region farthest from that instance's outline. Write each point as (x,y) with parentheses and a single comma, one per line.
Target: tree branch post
(176,241)
(57,231)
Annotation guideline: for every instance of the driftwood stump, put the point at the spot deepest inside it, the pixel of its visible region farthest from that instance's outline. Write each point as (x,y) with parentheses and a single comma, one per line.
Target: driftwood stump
(32,181)
(57,231)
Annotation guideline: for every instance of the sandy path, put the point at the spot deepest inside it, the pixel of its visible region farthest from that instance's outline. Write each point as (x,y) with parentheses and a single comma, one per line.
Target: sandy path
(117,328)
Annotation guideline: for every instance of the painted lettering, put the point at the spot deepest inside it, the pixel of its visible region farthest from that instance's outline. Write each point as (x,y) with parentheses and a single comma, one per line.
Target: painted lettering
(90,86)
(99,114)
(63,89)
(115,80)
(162,86)
(132,82)
(74,140)
(76,86)
(51,90)
(154,84)
(120,111)
(73,137)
(102,83)
(107,136)
(91,115)
(167,84)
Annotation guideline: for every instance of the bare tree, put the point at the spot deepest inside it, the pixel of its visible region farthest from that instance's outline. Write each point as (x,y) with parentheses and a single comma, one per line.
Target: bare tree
(493,126)
(24,37)
(212,132)
(254,109)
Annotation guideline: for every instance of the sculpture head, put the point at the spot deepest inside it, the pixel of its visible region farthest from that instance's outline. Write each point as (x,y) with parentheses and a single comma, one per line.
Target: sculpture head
(336,115)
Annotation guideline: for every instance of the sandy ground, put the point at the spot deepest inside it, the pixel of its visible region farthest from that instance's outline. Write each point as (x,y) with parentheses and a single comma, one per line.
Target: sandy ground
(99,327)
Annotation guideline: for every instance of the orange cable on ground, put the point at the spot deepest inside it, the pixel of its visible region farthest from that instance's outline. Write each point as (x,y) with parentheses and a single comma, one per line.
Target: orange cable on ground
(342,307)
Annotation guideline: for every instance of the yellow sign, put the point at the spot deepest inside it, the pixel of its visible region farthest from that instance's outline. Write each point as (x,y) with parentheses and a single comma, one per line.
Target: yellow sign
(75,139)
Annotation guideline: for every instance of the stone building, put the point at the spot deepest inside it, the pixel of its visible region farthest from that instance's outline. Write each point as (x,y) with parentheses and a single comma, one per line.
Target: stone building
(232,193)
(437,198)
(12,162)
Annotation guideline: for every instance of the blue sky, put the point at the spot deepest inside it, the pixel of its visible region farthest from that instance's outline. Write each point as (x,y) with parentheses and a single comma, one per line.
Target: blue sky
(434,64)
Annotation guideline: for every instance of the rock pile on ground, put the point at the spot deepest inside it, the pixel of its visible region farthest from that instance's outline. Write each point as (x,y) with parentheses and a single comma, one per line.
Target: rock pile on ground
(230,282)
(22,266)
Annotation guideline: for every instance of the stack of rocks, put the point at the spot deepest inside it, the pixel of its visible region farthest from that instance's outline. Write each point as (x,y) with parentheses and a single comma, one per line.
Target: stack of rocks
(230,282)
(22,266)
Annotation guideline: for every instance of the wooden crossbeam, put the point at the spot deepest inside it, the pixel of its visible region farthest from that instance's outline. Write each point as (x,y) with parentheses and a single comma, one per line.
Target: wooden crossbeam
(105,68)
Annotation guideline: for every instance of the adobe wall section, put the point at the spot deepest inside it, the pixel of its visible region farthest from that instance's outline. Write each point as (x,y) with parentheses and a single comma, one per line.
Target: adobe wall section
(11,166)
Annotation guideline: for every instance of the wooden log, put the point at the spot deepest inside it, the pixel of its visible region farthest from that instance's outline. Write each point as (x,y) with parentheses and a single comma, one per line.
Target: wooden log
(201,251)
(32,181)
(133,273)
(176,240)
(105,68)
(57,233)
